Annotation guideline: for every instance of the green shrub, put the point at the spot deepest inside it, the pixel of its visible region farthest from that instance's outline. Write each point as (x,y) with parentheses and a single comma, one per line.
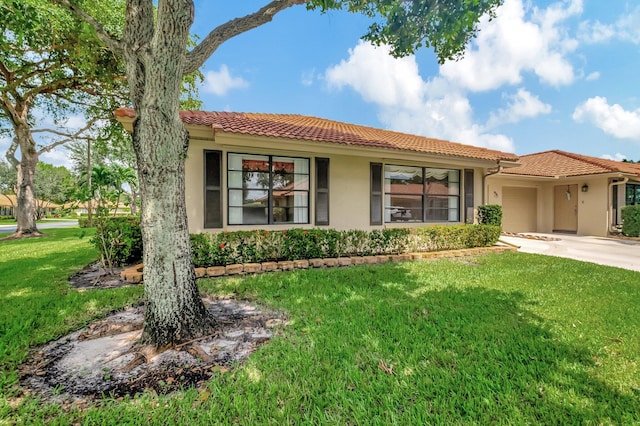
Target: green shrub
(83,222)
(258,246)
(631,221)
(490,214)
(118,239)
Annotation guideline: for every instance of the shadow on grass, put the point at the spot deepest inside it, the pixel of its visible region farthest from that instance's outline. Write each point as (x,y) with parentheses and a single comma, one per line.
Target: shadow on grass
(389,346)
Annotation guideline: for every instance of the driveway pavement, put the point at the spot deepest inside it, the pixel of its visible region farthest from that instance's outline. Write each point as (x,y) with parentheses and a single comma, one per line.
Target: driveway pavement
(43,225)
(604,251)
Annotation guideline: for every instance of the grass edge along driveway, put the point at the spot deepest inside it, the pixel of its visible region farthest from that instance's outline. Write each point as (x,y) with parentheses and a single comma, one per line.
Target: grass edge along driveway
(509,338)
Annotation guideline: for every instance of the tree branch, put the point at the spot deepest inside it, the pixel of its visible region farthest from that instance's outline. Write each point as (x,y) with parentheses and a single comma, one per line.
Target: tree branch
(9,108)
(68,136)
(112,43)
(8,75)
(11,153)
(196,57)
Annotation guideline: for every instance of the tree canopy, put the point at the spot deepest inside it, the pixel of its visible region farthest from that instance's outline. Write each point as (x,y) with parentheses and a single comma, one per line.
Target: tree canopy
(56,82)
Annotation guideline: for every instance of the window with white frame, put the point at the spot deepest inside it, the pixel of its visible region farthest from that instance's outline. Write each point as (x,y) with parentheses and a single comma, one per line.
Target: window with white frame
(266,189)
(421,194)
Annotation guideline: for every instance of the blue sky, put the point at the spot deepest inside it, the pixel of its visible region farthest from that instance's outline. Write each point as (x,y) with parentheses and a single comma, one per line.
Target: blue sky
(542,75)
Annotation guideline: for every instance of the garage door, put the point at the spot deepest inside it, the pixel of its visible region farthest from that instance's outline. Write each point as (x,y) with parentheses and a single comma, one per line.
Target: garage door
(519,209)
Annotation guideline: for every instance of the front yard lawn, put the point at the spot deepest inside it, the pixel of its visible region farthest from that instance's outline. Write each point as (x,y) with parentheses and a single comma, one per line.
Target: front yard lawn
(507,339)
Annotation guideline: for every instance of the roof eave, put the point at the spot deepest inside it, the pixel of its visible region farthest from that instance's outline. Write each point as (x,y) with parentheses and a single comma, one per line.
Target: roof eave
(233,139)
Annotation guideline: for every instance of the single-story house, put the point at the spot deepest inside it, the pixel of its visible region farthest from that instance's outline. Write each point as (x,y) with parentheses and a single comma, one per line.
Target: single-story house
(558,191)
(8,203)
(277,171)
(82,208)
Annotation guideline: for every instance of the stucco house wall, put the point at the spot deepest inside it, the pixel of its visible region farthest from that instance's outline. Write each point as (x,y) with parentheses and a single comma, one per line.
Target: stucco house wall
(593,211)
(546,171)
(349,181)
(250,186)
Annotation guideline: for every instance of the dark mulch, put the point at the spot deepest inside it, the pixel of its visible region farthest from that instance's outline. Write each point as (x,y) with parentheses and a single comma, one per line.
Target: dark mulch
(95,276)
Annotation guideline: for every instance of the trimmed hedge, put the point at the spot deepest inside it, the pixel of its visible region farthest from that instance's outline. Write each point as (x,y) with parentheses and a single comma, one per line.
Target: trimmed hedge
(490,214)
(631,221)
(119,241)
(227,248)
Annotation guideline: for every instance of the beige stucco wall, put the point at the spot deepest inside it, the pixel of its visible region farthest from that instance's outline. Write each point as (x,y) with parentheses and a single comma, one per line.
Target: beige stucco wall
(349,177)
(593,205)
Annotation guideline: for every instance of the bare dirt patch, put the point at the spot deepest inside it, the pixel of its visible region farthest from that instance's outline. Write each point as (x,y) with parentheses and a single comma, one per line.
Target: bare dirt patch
(95,276)
(106,360)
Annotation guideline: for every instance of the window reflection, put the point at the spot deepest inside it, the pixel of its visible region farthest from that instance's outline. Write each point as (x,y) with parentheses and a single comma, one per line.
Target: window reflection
(421,194)
(266,189)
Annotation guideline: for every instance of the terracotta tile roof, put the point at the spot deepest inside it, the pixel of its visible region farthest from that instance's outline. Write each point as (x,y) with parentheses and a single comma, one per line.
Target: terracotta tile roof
(561,163)
(10,200)
(300,127)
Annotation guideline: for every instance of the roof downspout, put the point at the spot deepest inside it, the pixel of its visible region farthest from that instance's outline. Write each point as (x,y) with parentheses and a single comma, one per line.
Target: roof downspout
(484,181)
(610,202)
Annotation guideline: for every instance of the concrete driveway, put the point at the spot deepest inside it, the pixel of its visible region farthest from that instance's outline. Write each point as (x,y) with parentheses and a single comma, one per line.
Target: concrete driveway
(43,225)
(604,251)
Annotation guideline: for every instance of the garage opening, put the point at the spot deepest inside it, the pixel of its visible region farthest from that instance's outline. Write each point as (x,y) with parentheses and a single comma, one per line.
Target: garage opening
(519,209)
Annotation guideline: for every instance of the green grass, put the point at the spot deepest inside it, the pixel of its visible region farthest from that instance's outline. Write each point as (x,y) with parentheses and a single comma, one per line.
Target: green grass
(508,339)
(37,303)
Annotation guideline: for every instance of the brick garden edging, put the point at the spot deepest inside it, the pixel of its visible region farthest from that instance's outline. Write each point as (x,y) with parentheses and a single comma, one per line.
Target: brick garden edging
(134,274)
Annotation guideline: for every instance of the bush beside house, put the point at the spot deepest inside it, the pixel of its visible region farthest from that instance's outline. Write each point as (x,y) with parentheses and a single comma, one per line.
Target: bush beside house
(631,221)
(490,214)
(119,242)
(118,239)
(299,244)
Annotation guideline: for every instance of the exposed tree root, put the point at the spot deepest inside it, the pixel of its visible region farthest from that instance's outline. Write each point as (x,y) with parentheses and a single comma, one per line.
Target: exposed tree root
(107,358)
(23,234)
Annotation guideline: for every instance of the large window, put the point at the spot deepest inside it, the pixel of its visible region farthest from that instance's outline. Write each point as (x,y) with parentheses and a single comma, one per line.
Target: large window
(265,189)
(632,194)
(421,194)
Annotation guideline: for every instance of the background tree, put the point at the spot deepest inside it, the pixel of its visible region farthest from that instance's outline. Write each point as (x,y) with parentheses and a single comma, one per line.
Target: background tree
(52,66)
(154,48)
(53,184)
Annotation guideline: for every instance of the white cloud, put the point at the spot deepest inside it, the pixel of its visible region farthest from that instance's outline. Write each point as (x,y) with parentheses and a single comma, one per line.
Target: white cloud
(74,122)
(5,142)
(592,76)
(58,157)
(220,82)
(513,43)
(378,77)
(308,77)
(626,28)
(407,103)
(616,157)
(521,105)
(611,119)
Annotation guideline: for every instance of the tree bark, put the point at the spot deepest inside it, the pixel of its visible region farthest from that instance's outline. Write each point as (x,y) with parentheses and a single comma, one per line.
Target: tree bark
(25,194)
(174,310)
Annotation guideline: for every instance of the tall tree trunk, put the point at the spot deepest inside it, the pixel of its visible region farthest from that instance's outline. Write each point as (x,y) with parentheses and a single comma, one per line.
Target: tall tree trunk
(134,203)
(25,194)
(174,309)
